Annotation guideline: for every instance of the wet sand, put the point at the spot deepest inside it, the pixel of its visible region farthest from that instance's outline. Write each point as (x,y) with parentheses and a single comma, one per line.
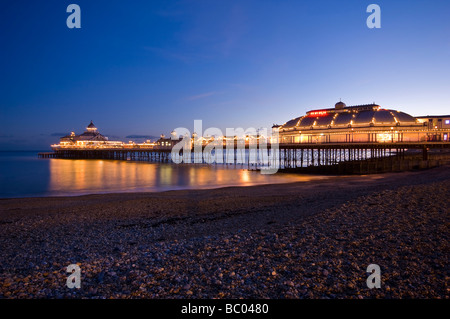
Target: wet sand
(298,240)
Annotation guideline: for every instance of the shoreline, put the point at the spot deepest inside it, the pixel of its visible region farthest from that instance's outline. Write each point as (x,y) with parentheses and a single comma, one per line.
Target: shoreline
(324,177)
(206,188)
(289,240)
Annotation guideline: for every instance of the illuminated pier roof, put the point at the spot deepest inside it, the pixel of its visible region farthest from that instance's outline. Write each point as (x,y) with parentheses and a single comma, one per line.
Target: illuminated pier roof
(91,134)
(342,116)
(91,127)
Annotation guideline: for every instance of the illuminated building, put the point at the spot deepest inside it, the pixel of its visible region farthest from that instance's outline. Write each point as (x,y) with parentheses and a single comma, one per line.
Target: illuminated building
(437,125)
(164,142)
(360,124)
(91,138)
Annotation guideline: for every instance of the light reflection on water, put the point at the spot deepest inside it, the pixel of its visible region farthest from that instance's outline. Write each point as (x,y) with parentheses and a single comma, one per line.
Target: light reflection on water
(23,174)
(72,177)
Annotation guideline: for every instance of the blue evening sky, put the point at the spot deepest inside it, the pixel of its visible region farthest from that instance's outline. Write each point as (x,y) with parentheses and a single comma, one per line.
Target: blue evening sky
(147,67)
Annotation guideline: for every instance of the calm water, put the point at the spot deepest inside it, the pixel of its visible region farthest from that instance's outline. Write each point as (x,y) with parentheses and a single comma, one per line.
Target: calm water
(23,174)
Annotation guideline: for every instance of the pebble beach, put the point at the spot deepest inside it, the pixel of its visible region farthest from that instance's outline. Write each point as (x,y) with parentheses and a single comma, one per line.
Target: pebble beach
(299,240)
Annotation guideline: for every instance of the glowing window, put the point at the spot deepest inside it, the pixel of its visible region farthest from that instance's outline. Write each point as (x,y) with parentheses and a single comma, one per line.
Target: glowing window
(447,122)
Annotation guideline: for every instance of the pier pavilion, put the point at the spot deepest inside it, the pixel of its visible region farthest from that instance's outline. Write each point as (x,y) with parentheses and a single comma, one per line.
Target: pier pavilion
(362,124)
(92,139)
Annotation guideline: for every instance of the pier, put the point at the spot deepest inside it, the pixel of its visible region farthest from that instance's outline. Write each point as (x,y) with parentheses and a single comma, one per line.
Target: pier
(343,158)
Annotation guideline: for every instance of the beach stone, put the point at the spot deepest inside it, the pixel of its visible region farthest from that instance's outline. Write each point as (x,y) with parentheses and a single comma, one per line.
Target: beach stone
(316,250)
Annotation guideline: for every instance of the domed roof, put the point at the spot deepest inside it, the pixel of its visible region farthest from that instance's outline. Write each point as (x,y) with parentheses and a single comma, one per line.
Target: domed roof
(343,119)
(91,125)
(358,117)
(292,123)
(392,117)
(404,117)
(307,121)
(340,105)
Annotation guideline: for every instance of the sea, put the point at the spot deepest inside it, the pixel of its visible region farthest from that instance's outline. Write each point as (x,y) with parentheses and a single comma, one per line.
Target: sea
(23,174)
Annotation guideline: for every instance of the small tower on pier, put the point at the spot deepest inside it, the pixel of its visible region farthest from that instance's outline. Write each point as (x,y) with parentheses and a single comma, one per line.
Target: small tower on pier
(91,127)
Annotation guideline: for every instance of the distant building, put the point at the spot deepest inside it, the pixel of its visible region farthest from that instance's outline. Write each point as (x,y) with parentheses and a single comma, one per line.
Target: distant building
(168,142)
(90,138)
(363,124)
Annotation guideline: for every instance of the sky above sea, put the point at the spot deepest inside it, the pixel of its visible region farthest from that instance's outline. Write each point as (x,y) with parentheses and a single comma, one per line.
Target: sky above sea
(142,68)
